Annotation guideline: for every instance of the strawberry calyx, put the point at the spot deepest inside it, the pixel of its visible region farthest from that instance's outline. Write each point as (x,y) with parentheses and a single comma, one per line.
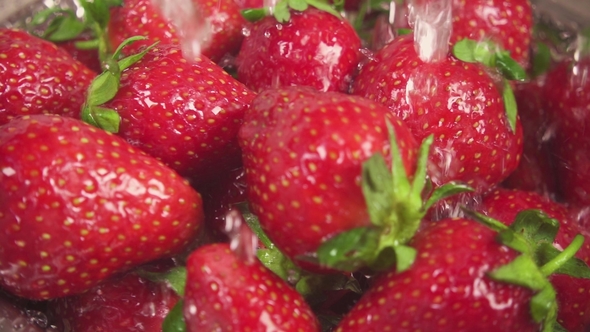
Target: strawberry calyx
(282,10)
(105,86)
(64,25)
(532,234)
(396,206)
(491,55)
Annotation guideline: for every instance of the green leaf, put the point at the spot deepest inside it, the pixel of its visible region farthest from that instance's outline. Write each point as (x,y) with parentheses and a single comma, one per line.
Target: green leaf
(175,278)
(444,191)
(87,44)
(544,307)
(510,105)
(106,119)
(44,15)
(96,11)
(403,32)
(254,14)
(113,3)
(419,181)
(102,89)
(485,220)
(464,50)
(299,5)
(66,29)
(280,264)
(349,250)
(574,267)
(132,59)
(377,188)
(405,257)
(558,261)
(174,321)
(535,226)
(509,68)
(281,11)
(522,271)
(485,52)
(254,224)
(324,6)
(125,43)
(541,59)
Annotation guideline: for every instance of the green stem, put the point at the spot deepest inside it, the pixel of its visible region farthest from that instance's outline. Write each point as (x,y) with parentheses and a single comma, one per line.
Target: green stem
(564,256)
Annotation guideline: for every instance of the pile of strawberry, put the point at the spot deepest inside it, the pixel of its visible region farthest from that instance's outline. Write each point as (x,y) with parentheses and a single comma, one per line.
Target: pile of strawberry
(311,170)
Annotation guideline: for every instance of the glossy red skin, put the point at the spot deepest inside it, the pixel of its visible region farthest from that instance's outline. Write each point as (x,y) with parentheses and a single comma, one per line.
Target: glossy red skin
(447,288)
(536,171)
(129,302)
(509,23)
(79,204)
(224,293)
(572,293)
(314,48)
(140,17)
(38,77)
(191,122)
(302,152)
(568,99)
(473,142)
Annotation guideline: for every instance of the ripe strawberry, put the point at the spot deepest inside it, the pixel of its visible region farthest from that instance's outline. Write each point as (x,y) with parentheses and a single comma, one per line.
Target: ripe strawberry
(89,57)
(38,77)
(508,23)
(568,99)
(303,152)
(191,122)
(457,102)
(123,303)
(448,287)
(311,48)
(572,293)
(141,17)
(227,293)
(79,204)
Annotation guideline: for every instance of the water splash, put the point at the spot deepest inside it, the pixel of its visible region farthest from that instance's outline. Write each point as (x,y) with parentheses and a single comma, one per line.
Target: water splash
(432,23)
(194,31)
(243,242)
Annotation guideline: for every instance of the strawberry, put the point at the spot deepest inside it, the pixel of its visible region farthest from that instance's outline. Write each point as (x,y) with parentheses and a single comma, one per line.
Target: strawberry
(227,293)
(191,127)
(38,77)
(572,293)
(129,302)
(141,17)
(79,204)
(508,23)
(303,152)
(89,57)
(567,98)
(457,102)
(308,48)
(462,279)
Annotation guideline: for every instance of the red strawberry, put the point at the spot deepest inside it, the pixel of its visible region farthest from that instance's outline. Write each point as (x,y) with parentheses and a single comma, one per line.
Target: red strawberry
(572,293)
(191,122)
(303,152)
(567,95)
(141,17)
(455,101)
(124,303)
(312,48)
(226,293)
(536,169)
(89,57)
(38,77)
(447,288)
(508,23)
(79,204)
